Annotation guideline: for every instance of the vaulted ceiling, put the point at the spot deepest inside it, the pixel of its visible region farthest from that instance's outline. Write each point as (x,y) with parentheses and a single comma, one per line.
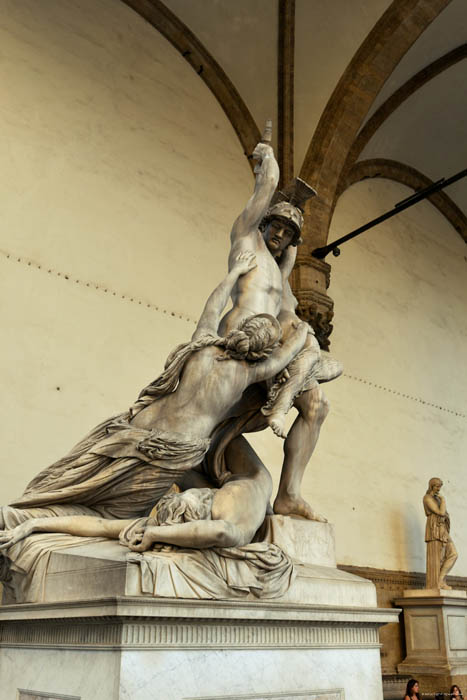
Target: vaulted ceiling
(356,88)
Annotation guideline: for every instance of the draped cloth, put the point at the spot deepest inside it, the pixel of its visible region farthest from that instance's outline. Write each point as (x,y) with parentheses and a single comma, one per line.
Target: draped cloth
(117,470)
(260,569)
(23,567)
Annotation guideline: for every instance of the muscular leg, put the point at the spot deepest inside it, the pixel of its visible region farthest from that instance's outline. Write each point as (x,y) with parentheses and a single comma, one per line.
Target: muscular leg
(313,408)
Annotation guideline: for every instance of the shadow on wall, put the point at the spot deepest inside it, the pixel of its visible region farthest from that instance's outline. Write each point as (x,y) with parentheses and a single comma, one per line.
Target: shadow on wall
(408,532)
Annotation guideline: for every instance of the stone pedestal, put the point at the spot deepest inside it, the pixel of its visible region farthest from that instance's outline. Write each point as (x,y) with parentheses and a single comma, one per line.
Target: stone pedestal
(436,637)
(96,636)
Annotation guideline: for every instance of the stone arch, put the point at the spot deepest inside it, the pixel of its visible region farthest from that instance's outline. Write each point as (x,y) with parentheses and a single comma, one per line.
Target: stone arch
(394,33)
(398,97)
(199,58)
(406,175)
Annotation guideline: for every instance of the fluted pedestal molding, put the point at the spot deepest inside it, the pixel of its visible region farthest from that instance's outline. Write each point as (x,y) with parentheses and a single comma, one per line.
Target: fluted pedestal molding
(96,635)
(140,648)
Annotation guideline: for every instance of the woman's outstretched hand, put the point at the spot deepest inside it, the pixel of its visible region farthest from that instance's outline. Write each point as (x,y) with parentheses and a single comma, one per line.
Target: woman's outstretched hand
(244,262)
(10,537)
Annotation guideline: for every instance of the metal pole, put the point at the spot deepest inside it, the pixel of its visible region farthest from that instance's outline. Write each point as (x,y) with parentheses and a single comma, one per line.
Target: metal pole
(400,206)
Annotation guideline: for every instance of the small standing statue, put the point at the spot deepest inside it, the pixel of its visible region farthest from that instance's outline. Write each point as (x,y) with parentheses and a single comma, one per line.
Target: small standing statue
(441,553)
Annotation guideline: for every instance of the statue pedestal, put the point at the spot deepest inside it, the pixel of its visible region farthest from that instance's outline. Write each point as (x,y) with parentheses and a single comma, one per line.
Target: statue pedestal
(436,636)
(96,635)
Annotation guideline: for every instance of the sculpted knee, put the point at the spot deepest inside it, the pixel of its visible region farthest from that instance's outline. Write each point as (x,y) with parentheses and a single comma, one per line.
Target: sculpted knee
(313,406)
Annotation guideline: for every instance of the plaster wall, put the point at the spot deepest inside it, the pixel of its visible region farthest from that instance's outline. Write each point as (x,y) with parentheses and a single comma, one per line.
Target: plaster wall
(447,32)
(399,414)
(242,37)
(120,179)
(429,117)
(121,175)
(327,35)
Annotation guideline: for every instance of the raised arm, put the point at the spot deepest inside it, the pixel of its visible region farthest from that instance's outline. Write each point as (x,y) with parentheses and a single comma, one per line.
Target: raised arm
(215,305)
(282,356)
(267,178)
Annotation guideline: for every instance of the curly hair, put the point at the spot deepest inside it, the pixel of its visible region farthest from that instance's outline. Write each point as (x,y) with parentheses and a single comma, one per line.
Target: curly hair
(253,341)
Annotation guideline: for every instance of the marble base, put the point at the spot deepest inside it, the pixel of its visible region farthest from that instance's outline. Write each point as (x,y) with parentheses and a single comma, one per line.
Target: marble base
(96,635)
(435,633)
(140,649)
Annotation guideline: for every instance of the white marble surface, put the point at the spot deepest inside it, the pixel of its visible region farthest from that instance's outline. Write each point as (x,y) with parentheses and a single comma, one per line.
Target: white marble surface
(305,541)
(100,569)
(182,675)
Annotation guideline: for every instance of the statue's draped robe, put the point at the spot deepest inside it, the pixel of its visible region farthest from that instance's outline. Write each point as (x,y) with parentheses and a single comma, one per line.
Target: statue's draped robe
(441,552)
(117,470)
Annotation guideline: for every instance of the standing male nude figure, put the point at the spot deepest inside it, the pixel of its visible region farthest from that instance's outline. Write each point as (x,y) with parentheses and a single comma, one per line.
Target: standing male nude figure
(262,290)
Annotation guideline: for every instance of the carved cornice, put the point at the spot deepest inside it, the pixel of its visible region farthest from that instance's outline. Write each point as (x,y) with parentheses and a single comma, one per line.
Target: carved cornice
(317,309)
(332,694)
(187,634)
(37,695)
(399,580)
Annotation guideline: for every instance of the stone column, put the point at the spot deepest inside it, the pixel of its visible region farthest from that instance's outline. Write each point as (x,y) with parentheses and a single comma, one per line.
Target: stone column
(310,277)
(310,280)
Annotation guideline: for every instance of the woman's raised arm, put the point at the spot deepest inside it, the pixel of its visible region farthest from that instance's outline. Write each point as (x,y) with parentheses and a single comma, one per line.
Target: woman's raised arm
(215,305)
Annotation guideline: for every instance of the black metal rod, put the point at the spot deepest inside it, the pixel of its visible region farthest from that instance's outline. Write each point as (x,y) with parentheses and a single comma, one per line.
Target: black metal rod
(401,206)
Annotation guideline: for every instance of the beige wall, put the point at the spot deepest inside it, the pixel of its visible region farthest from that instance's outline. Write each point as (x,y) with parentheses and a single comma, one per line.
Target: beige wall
(400,323)
(400,331)
(119,169)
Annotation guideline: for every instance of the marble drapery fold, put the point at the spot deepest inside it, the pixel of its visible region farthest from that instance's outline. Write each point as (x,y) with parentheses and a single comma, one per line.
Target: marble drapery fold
(117,470)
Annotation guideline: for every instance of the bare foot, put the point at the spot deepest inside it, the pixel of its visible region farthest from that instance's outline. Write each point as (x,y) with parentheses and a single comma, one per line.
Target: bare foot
(286,505)
(445,587)
(276,423)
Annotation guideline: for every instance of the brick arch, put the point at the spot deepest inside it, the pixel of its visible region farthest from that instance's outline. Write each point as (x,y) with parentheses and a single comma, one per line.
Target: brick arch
(394,33)
(199,58)
(406,175)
